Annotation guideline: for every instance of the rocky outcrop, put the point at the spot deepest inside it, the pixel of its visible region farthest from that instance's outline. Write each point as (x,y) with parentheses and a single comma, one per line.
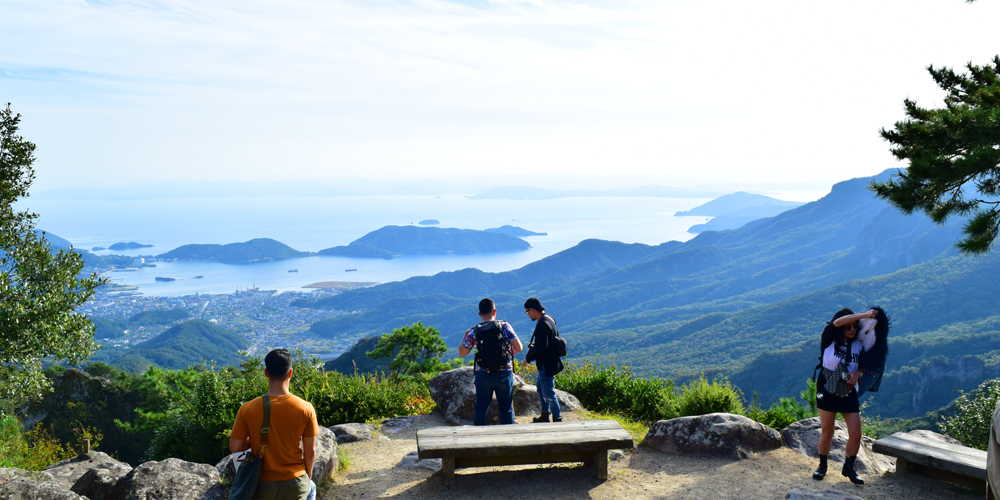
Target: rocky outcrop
(19,484)
(712,435)
(454,391)
(352,433)
(803,437)
(807,494)
(526,402)
(171,478)
(68,472)
(98,483)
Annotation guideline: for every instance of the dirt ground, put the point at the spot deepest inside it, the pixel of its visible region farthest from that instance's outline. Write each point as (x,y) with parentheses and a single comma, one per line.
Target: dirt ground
(642,473)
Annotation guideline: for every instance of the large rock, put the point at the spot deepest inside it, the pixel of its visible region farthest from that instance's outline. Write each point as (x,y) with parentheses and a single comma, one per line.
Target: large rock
(98,483)
(353,433)
(713,435)
(526,402)
(803,437)
(807,494)
(67,472)
(19,484)
(327,459)
(454,391)
(171,478)
(924,434)
(11,473)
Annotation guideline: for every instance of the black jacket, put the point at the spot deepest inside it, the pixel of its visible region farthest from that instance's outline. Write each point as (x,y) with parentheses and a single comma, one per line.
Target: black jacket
(544,354)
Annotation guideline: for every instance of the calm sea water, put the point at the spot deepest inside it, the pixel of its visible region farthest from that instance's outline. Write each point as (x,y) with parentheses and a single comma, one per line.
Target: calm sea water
(313,224)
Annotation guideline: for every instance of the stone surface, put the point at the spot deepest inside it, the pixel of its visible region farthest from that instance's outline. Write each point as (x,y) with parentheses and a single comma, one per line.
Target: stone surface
(67,472)
(352,433)
(171,478)
(616,455)
(326,456)
(526,402)
(23,488)
(396,424)
(12,473)
(410,461)
(935,436)
(454,391)
(98,483)
(803,437)
(712,435)
(227,468)
(807,494)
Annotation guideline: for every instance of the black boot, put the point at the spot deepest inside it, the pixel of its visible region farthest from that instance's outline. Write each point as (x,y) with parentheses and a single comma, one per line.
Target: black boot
(544,417)
(820,471)
(849,473)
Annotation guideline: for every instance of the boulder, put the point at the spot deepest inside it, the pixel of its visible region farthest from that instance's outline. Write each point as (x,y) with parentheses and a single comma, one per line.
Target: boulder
(171,478)
(454,391)
(67,472)
(411,461)
(227,469)
(526,402)
(807,494)
(98,483)
(803,437)
(327,457)
(352,433)
(712,435)
(23,488)
(12,473)
(397,424)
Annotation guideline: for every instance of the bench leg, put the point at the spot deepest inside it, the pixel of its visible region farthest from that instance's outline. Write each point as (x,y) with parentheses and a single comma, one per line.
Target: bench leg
(902,466)
(448,469)
(600,462)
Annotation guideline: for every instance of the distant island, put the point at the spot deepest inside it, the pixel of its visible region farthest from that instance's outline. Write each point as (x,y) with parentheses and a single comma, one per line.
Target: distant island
(736,210)
(429,222)
(163,279)
(514,231)
(533,193)
(97,249)
(394,241)
(127,246)
(248,252)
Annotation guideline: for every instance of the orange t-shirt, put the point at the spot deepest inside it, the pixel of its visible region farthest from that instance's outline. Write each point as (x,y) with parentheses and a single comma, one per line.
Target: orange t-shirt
(292,418)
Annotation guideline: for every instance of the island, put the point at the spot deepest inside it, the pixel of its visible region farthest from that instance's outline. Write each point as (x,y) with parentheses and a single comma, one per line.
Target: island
(429,222)
(394,241)
(248,252)
(514,231)
(161,278)
(736,210)
(127,246)
(97,249)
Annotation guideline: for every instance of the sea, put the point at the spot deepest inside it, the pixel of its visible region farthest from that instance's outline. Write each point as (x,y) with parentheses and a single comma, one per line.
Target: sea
(312,224)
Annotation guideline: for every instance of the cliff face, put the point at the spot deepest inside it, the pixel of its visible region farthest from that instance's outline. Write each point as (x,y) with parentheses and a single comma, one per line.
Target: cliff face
(934,383)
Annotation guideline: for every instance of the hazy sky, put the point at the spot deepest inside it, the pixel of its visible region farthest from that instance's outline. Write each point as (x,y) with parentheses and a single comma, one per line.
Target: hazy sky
(631,92)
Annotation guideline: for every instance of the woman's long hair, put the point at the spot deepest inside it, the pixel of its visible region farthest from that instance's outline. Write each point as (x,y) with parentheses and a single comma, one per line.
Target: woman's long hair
(832,333)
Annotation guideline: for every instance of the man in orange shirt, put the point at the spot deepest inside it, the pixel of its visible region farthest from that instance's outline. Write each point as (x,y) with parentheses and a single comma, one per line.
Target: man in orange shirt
(287,469)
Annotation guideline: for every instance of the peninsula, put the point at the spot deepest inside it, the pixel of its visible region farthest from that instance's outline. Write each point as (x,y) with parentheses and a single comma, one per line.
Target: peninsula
(394,241)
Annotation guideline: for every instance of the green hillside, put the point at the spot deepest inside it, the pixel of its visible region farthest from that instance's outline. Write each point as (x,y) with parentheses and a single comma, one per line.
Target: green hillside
(248,252)
(183,345)
(356,359)
(393,241)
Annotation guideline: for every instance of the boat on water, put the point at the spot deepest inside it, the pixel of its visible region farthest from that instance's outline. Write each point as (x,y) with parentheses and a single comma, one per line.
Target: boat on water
(349,270)
(161,278)
(293,270)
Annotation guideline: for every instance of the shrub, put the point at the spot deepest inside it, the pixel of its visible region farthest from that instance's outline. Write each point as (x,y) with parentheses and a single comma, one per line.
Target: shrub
(787,410)
(33,450)
(700,396)
(971,422)
(613,389)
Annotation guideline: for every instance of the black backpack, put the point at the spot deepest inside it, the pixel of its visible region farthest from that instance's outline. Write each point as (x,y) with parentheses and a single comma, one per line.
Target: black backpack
(492,351)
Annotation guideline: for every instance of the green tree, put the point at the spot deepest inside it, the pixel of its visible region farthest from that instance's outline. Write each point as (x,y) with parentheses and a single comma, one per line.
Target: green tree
(954,155)
(39,290)
(970,423)
(420,349)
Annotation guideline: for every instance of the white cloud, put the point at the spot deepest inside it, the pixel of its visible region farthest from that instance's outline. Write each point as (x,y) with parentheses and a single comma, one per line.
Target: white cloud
(675,92)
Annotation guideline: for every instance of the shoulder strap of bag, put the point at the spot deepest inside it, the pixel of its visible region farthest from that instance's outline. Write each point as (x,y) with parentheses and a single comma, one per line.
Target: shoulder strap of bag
(265,429)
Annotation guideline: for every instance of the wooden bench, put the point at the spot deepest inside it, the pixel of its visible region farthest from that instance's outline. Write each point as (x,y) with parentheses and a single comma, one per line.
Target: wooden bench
(953,463)
(484,446)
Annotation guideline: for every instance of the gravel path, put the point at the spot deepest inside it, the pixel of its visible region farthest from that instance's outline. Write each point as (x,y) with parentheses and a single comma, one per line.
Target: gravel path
(642,473)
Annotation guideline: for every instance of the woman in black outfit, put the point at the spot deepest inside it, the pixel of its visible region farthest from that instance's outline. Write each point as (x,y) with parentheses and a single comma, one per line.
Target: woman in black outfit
(836,390)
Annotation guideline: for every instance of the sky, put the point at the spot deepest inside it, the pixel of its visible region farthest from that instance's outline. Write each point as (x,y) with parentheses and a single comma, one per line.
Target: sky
(589,93)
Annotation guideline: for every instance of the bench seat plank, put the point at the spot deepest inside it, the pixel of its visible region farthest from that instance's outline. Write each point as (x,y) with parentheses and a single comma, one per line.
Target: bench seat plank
(931,453)
(494,441)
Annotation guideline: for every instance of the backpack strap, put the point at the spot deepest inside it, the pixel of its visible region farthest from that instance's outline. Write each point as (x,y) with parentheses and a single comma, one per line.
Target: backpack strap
(265,428)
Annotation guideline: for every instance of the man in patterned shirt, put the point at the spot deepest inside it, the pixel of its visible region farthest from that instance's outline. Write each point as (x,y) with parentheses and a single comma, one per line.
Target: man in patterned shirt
(496,344)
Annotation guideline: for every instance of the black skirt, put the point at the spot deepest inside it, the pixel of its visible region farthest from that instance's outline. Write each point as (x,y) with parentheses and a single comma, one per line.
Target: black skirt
(834,403)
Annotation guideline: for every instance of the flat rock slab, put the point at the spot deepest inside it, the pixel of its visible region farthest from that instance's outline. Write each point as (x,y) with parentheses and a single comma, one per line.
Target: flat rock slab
(807,494)
(803,437)
(721,435)
(67,472)
(353,433)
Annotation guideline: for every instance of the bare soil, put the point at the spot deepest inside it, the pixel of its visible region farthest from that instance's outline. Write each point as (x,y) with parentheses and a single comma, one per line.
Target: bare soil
(642,473)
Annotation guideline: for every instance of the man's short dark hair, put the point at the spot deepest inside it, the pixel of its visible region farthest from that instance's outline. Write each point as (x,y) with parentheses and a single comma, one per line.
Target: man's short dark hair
(277,363)
(487,306)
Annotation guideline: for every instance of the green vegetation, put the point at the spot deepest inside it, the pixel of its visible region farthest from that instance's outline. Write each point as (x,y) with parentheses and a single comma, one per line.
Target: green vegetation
(121,245)
(356,360)
(34,450)
(700,396)
(393,241)
(954,162)
(186,344)
(414,349)
(39,289)
(974,411)
(616,390)
(248,252)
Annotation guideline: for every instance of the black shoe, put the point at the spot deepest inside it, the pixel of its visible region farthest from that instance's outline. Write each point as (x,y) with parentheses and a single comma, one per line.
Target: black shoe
(849,472)
(557,419)
(544,417)
(820,471)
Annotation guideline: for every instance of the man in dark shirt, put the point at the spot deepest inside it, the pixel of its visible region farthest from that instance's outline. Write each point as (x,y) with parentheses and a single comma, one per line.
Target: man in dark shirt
(546,358)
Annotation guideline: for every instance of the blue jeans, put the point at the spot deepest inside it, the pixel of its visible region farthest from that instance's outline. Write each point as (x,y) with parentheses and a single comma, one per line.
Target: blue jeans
(547,393)
(502,383)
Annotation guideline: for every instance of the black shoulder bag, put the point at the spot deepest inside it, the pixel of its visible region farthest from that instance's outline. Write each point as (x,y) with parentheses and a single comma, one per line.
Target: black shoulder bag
(245,482)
